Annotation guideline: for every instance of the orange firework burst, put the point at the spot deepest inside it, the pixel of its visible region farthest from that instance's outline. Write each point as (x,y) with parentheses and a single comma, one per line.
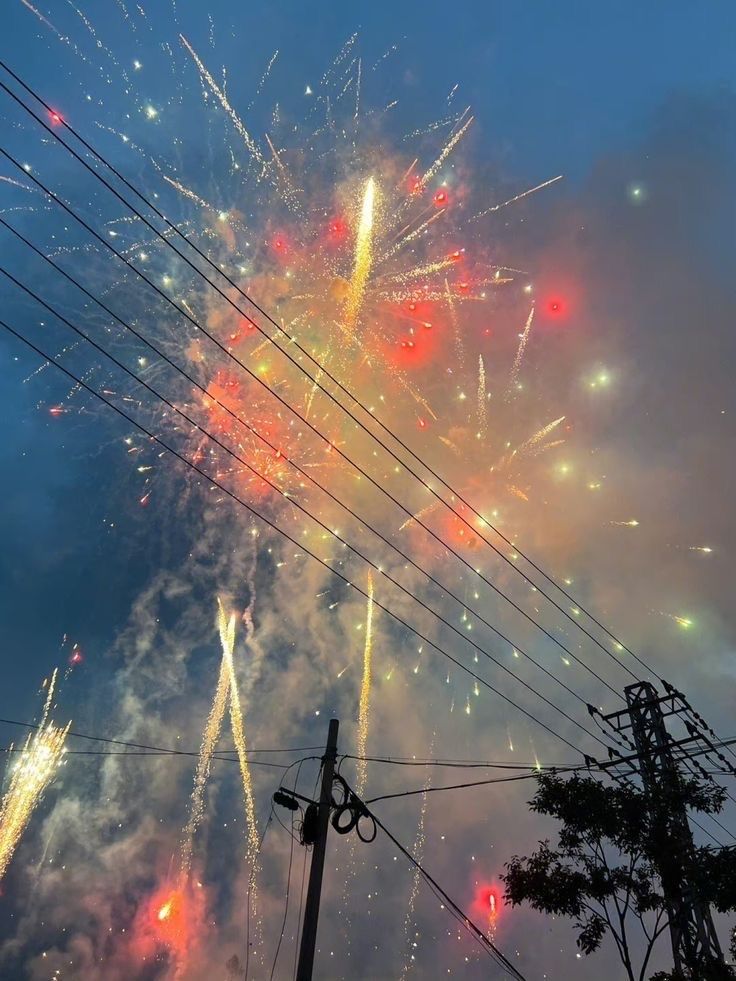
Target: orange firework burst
(487,904)
(170,920)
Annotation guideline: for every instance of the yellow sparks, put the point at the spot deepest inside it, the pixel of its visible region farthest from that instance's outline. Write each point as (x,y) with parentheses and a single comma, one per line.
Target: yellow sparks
(226,627)
(482,399)
(633,523)
(405,236)
(31,775)
(685,623)
(518,197)
(446,151)
(219,94)
(363,256)
(420,272)
(514,376)
(420,515)
(226,690)
(455,323)
(365,690)
(418,851)
(187,192)
(534,441)
(210,737)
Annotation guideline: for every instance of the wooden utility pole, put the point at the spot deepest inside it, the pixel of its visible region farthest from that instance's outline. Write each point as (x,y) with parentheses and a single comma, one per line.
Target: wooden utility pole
(314,890)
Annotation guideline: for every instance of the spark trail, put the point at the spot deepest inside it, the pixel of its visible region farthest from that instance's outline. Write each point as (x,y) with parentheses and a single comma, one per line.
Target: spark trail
(39,760)
(226,691)
(226,626)
(227,634)
(210,738)
(363,257)
(365,692)
(418,852)
(514,375)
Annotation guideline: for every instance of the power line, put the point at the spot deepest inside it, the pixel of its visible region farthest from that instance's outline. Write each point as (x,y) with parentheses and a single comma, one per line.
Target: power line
(461,764)
(286,333)
(475,783)
(299,366)
(69,210)
(299,469)
(476,933)
(318,521)
(155,749)
(321,368)
(138,753)
(286,902)
(394,616)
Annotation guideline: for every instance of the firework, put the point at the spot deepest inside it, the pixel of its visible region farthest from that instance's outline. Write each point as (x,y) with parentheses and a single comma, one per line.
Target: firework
(30,775)
(411,935)
(363,255)
(487,905)
(210,737)
(227,636)
(226,693)
(365,691)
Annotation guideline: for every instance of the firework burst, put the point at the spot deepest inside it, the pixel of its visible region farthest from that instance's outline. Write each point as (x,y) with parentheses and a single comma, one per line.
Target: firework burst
(30,775)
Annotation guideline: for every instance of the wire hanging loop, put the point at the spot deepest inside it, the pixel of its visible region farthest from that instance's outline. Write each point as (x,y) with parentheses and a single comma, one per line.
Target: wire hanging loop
(349,812)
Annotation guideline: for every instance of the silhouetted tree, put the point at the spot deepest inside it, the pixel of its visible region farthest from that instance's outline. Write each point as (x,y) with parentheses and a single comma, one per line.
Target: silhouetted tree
(603,872)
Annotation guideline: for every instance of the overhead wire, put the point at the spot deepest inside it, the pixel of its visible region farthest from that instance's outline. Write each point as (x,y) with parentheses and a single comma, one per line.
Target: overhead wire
(322,370)
(315,381)
(286,902)
(475,783)
(475,932)
(460,764)
(157,749)
(318,521)
(509,542)
(299,914)
(516,647)
(261,382)
(271,524)
(294,361)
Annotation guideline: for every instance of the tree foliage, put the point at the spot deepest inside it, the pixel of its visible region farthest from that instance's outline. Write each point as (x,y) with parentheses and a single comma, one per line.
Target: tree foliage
(603,873)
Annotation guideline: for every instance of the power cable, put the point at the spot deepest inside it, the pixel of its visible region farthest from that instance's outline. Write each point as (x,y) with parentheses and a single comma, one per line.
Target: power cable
(478,935)
(318,521)
(286,903)
(157,749)
(137,754)
(231,494)
(299,914)
(460,764)
(320,367)
(300,367)
(275,449)
(463,786)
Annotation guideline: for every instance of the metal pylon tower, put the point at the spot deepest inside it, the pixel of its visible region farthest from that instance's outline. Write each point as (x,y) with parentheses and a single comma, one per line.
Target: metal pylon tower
(694,940)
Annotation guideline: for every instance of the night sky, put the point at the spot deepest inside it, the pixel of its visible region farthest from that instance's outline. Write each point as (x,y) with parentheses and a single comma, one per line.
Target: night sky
(636,106)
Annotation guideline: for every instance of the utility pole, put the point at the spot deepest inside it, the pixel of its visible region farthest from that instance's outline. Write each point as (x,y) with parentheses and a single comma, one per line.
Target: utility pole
(694,940)
(311,909)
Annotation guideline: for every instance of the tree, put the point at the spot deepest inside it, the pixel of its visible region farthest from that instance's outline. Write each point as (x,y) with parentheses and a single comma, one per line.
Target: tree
(603,872)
